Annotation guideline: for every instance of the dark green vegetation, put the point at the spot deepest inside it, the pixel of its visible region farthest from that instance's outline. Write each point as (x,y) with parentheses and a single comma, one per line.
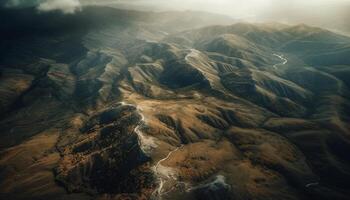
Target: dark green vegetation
(242,111)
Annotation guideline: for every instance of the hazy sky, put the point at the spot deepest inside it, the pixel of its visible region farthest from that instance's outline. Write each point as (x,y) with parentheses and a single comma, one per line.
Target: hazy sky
(334,14)
(235,7)
(231,7)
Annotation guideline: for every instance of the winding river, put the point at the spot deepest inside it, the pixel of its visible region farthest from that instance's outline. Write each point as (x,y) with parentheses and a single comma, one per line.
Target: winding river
(284,60)
(147,144)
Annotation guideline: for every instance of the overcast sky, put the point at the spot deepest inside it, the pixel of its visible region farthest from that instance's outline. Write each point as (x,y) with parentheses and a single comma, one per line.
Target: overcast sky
(334,14)
(236,7)
(331,14)
(230,7)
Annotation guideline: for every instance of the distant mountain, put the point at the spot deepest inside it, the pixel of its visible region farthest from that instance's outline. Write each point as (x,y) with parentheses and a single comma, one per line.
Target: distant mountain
(332,15)
(118,104)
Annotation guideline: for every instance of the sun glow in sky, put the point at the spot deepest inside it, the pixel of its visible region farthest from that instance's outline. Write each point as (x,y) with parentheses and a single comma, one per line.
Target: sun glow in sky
(228,7)
(333,14)
(314,12)
(233,7)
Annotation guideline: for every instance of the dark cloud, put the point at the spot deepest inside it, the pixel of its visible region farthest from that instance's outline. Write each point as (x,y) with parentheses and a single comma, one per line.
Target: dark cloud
(20,3)
(66,6)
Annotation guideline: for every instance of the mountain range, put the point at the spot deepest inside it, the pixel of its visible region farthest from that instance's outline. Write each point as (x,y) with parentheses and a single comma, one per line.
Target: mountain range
(121,104)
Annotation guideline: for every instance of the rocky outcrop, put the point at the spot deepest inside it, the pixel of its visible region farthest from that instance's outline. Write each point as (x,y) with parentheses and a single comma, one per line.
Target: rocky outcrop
(108,157)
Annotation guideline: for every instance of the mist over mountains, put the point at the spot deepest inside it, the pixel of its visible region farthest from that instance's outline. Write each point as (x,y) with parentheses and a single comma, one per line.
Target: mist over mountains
(325,13)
